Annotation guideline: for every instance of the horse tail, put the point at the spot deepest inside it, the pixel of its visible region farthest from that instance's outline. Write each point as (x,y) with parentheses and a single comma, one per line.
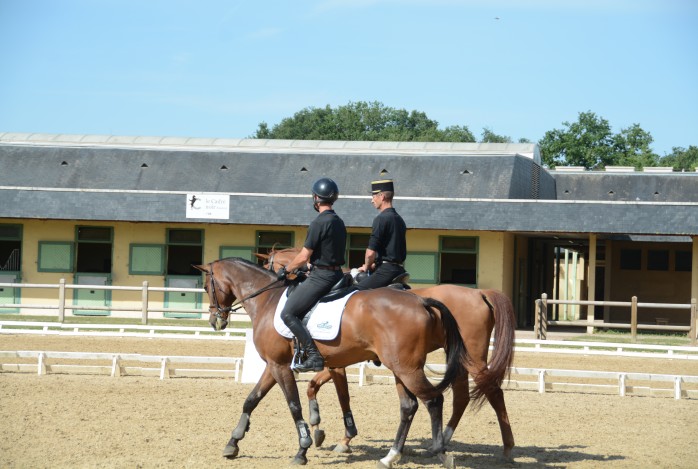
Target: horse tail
(456,353)
(498,367)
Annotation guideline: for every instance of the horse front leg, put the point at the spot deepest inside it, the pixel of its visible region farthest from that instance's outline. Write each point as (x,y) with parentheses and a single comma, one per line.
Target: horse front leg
(339,378)
(265,383)
(284,376)
(320,378)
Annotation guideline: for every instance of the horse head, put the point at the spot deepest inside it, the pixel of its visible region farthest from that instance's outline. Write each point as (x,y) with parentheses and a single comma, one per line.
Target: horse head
(220,296)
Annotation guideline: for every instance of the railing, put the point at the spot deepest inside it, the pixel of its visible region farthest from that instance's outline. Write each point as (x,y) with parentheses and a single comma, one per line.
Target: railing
(542,322)
(61,306)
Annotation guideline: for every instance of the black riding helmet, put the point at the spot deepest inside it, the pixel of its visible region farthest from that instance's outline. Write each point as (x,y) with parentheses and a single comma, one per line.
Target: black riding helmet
(326,190)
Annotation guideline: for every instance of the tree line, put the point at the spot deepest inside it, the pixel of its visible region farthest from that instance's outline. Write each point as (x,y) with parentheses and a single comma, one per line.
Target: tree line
(587,142)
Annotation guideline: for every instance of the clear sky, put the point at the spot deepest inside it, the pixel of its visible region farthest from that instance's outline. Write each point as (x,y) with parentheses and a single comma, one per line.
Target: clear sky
(217,68)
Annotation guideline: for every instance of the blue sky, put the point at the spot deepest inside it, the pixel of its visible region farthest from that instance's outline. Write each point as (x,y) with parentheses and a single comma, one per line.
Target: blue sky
(206,68)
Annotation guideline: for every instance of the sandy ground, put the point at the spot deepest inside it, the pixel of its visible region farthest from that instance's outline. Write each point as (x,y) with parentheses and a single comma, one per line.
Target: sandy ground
(84,421)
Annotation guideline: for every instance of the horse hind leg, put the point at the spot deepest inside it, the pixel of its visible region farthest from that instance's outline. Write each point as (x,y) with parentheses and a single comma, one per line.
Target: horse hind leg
(408,407)
(496,400)
(461,398)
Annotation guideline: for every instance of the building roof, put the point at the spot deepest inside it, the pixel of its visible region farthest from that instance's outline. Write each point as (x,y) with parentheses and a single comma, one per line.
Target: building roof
(495,187)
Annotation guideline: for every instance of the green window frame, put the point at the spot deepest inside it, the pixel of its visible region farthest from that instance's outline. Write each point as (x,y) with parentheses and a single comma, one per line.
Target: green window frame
(458,260)
(56,256)
(245,252)
(185,246)
(423,266)
(94,249)
(265,240)
(146,259)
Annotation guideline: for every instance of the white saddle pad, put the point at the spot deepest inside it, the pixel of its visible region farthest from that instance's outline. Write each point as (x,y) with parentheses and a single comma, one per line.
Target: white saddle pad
(324,320)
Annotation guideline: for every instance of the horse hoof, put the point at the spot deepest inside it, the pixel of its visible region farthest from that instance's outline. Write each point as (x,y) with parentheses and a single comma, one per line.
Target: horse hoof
(319,437)
(230,451)
(342,449)
(299,461)
(447,461)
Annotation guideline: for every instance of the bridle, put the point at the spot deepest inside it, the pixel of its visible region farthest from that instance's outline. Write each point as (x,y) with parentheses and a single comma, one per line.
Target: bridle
(220,310)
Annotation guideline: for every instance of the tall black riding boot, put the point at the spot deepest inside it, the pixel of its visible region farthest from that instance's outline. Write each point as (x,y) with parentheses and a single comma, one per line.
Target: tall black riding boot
(314,361)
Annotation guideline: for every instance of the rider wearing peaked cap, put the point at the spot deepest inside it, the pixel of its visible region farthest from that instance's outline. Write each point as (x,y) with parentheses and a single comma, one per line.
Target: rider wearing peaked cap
(324,249)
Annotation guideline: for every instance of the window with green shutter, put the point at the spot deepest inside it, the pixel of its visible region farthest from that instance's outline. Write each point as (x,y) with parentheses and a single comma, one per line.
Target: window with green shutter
(245,252)
(146,259)
(422,267)
(56,256)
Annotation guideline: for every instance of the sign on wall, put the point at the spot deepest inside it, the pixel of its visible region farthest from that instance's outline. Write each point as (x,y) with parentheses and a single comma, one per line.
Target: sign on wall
(215,206)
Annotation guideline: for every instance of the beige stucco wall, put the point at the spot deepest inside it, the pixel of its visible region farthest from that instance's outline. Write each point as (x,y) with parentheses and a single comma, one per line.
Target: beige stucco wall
(495,254)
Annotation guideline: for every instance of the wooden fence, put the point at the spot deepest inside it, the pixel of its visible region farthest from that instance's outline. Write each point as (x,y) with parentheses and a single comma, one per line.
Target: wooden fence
(542,322)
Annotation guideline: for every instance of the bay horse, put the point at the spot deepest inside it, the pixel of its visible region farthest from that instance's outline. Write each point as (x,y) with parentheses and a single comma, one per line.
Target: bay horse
(395,327)
(478,313)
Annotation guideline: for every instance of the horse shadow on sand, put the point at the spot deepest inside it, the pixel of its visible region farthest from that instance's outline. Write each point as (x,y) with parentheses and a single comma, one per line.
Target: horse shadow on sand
(475,455)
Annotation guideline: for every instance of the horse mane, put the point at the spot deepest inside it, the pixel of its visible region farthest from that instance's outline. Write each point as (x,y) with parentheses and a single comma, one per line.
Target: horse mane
(241,260)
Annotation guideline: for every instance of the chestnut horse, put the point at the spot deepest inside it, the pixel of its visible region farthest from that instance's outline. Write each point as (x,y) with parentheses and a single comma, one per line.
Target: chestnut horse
(478,313)
(395,327)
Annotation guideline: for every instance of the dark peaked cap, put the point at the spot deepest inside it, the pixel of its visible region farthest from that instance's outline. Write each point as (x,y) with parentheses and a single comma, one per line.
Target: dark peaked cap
(382,185)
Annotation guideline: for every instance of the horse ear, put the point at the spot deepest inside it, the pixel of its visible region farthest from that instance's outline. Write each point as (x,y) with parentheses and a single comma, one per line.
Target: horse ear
(201,268)
(264,257)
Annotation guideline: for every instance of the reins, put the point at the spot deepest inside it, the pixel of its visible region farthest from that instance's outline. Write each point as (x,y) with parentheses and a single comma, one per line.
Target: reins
(235,306)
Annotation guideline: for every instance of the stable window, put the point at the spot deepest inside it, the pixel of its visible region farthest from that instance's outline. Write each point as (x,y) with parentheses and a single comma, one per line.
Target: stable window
(422,267)
(683,261)
(631,259)
(658,259)
(146,259)
(10,248)
(94,249)
(356,252)
(184,248)
(268,240)
(458,260)
(56,256)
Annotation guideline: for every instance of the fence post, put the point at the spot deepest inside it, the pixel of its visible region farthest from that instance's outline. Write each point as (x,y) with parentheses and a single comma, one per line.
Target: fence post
(694,319)
(544,317)
(633,319)
(536,320)
(61,300)
(144,303)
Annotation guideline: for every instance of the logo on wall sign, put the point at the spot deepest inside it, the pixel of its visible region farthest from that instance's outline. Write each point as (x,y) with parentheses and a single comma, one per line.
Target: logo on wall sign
(210,206)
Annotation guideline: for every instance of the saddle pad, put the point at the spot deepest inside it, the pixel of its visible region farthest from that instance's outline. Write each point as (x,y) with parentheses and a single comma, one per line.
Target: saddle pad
(323,322)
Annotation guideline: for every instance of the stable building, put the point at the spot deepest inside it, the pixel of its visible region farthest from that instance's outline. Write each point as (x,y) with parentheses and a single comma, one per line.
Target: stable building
(108,210)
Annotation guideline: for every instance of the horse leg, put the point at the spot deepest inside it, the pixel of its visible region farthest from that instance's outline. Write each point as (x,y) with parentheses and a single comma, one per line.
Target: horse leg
(284,376)
(339,378)
(417,385)
(320,378)
(496,400)
(265,383)
(461,398)
(408,407)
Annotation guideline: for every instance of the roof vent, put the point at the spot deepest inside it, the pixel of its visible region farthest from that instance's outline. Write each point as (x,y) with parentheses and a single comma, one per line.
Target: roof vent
(465,171)
(567,191)
(304,169)
(611,193)
(144,165)
(384,172)
(64,163)
(224,168)
(656,193)
(620,169)
(658,169)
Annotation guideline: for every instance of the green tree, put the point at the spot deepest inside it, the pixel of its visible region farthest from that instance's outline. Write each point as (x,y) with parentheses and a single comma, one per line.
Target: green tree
(590,143)
(363,121)
(490,137)
(632,148)
(587,142)
(681,159)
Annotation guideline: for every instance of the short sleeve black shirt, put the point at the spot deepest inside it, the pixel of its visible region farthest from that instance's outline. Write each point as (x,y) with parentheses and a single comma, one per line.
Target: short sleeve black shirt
(327,237)
(388,236)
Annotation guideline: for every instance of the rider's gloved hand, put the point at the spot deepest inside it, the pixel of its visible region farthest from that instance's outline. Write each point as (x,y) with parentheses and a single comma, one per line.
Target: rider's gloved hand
(281,274)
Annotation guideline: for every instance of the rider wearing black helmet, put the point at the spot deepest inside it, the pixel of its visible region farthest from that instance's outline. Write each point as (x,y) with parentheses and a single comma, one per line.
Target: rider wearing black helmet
(324,249)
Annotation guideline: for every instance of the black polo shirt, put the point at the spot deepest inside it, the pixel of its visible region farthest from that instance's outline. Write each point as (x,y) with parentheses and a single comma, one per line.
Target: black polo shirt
(327,237)
(388,236)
